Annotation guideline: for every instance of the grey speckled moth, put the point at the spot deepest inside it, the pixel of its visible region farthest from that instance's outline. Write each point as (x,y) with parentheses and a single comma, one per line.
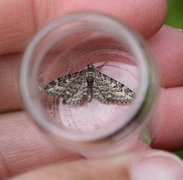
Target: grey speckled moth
(89,83)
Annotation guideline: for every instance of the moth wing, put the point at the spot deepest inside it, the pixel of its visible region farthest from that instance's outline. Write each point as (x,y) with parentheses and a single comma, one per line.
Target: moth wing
(72,88)
(108,90)
(79,95)
(61,85)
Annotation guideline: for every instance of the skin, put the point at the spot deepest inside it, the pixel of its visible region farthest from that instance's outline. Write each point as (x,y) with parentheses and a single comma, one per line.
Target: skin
(26,154)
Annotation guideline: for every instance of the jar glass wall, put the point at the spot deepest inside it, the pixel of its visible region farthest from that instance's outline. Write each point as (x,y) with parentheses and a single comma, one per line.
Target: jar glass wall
(67,46)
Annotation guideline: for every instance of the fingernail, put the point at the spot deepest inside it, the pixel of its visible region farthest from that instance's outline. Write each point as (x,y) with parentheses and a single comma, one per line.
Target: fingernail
(158,167)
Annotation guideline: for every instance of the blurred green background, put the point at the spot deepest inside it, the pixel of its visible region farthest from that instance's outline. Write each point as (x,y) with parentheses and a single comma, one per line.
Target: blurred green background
(175,13)
(175,19)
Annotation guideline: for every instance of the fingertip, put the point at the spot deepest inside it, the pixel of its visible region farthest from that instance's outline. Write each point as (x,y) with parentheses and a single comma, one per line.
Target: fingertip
(167,50)
(157,165)
(166,125)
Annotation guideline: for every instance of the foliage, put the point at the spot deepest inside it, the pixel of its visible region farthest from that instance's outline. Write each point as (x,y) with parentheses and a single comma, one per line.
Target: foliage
(175,13)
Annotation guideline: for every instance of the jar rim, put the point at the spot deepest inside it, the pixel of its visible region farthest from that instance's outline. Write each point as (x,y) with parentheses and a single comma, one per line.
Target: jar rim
(148,88)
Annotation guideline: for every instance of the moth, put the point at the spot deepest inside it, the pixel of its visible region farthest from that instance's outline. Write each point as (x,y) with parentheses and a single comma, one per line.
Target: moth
(89,83)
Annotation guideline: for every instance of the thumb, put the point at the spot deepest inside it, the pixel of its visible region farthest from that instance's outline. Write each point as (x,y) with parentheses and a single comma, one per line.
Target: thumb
(151,165)
(157,165)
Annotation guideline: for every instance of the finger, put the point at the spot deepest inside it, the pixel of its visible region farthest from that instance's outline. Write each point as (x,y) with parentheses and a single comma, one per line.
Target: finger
(157,165)
(19,20)
(23,147)
(9,80)
(167,49)
(167,123)
(110,168)
(150,165)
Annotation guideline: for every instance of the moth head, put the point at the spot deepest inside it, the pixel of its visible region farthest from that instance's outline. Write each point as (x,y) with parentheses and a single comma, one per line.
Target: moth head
(90,66)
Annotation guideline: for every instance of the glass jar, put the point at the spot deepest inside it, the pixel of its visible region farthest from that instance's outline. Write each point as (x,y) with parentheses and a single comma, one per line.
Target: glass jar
(66,46)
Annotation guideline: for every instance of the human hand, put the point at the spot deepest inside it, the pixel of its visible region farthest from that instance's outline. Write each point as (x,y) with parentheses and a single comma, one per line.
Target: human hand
(23,148)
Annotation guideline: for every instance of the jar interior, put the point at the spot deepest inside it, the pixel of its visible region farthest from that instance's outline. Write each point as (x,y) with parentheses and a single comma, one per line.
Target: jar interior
(70,49)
